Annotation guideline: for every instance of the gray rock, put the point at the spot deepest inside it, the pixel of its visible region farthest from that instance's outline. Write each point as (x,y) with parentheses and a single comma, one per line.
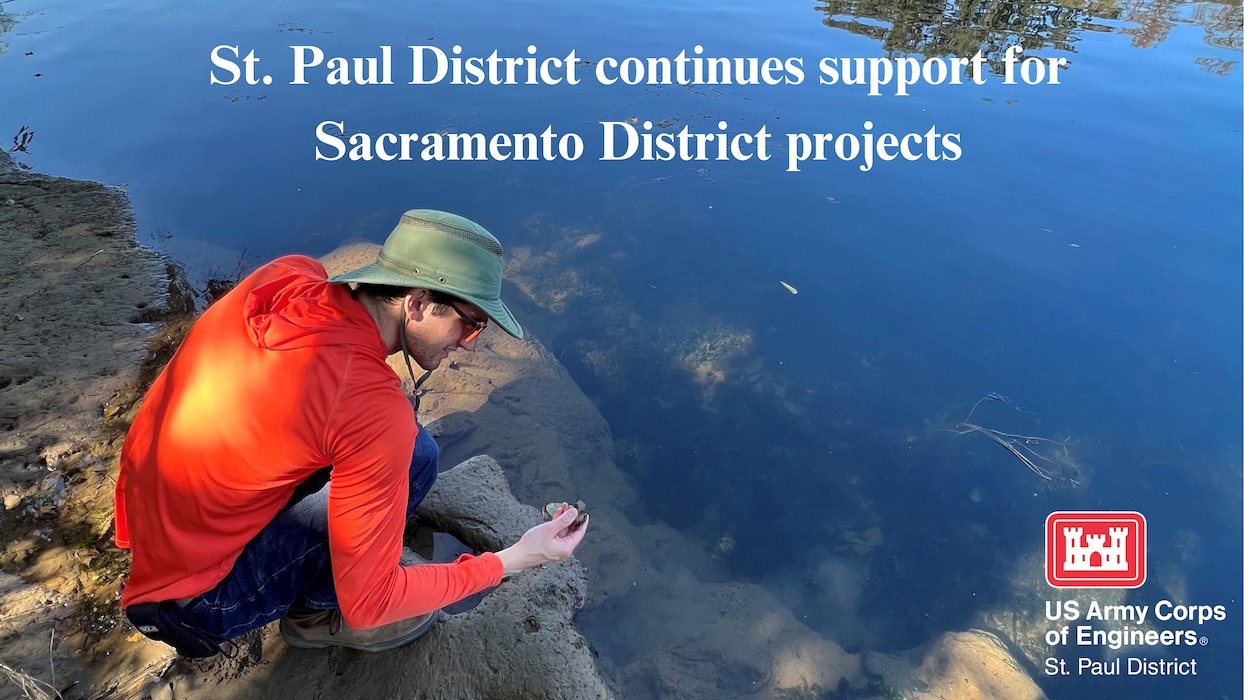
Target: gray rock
(519,642)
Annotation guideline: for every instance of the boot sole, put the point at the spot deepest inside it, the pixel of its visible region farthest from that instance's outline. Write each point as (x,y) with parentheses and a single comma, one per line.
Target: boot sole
(303,643)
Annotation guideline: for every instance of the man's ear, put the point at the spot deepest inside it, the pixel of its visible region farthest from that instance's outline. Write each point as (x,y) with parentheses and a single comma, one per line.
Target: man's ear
(418,304)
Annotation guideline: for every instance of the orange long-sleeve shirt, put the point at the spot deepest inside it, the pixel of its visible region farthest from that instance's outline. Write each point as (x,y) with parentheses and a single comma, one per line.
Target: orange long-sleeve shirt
(284,375)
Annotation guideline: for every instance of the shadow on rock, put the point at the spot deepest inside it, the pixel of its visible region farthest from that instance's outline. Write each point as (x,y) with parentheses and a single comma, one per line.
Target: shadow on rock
(518,643)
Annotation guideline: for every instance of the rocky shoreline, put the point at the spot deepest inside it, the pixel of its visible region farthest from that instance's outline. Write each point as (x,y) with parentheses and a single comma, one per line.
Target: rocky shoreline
(89,316)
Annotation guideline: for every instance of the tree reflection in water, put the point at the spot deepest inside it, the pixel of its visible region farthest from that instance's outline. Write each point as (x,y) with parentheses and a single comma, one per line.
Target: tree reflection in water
(7,22)
(941,28)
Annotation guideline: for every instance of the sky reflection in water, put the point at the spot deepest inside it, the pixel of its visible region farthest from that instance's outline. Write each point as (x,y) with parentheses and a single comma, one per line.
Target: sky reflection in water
(1082,258)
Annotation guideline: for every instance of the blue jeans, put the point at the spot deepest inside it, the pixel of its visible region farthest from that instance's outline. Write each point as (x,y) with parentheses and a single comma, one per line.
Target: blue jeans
(287,564)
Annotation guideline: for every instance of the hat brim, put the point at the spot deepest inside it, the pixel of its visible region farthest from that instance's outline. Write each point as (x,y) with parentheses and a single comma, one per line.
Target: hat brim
(496,309)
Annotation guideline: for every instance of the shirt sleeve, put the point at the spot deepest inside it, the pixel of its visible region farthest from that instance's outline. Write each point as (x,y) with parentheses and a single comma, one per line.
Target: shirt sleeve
(370,440)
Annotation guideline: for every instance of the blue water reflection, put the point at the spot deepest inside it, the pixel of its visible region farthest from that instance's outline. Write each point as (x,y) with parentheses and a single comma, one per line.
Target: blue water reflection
(1081,258)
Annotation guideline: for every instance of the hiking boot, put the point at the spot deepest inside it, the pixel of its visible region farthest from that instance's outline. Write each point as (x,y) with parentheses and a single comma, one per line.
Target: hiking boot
(317,629)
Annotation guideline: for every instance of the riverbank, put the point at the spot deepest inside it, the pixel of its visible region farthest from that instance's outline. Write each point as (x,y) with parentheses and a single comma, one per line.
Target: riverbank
(93,316)
(82,309)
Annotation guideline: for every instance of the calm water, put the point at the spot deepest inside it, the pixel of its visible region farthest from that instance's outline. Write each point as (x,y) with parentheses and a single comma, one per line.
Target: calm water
(1082,258)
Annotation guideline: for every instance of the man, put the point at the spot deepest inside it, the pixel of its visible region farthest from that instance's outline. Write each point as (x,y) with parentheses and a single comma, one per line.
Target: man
(274,463)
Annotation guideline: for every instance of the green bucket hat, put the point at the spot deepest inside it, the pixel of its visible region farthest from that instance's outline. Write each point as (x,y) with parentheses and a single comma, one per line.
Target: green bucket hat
(437,250)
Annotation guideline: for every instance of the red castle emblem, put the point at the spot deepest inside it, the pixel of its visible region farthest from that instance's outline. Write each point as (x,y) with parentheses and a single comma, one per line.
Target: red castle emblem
(1095,549)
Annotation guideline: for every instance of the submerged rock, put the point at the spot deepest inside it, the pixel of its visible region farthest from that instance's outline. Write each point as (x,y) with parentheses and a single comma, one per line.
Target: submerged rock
(957,666)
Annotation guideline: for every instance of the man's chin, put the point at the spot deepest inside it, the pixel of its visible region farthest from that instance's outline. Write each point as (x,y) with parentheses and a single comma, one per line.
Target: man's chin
(430,363)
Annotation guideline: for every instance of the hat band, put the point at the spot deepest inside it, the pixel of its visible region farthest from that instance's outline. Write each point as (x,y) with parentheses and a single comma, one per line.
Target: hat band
(484,242)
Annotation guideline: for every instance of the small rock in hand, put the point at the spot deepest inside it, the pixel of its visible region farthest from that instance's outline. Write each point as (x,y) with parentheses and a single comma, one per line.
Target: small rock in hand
(550,510)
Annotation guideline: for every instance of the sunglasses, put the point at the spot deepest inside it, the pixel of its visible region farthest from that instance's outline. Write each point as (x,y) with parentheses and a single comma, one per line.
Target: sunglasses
(476,327)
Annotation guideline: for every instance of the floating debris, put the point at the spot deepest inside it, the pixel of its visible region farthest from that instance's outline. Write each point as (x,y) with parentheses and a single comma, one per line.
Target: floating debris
(22,140)
(1074,245)
(789,288)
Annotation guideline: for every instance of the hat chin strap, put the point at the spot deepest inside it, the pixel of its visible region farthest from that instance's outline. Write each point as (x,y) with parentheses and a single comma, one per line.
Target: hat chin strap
(419,392)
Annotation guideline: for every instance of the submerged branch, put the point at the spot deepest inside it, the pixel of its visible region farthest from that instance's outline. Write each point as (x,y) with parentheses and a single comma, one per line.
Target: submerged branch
(996,437)
(1021,446)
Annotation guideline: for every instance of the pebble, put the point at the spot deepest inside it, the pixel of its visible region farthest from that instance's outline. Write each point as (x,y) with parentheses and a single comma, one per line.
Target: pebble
(12,501)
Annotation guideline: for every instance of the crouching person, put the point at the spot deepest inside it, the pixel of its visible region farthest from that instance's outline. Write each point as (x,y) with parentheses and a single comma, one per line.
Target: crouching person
(274,463)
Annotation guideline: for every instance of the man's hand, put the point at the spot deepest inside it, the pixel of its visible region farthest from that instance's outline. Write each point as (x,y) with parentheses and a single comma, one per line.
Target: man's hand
(544,543)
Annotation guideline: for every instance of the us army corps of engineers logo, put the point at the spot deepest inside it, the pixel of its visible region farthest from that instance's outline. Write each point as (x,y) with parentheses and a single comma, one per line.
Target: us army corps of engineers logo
(1095,549)
(1107,549)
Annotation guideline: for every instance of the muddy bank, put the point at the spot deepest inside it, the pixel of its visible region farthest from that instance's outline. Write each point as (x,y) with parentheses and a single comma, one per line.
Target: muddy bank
(78,296)
(80,302)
